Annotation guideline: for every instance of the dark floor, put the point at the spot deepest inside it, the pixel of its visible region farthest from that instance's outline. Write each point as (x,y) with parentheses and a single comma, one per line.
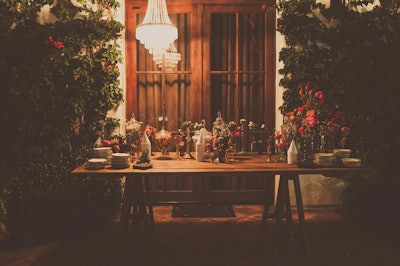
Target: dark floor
(331,240)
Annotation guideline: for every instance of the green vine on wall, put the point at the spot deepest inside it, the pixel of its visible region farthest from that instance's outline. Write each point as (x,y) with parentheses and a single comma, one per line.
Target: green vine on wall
(353,58)
(352,54)
(59,78)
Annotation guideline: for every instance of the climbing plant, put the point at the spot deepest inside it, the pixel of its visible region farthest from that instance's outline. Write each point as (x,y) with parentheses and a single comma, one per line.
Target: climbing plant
(350,51)
(59,78)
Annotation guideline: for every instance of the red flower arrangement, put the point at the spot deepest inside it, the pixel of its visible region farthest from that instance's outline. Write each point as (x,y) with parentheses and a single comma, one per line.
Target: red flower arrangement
(316,115)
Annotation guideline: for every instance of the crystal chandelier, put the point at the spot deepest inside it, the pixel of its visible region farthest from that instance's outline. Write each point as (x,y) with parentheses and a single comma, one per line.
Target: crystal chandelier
(171,58)
(156,32)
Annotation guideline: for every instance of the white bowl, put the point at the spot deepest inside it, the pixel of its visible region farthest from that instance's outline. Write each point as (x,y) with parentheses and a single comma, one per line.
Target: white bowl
(351,162)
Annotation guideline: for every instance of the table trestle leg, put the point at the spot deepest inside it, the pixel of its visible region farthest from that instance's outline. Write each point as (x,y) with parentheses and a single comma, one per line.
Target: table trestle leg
(283,210)
(136,205)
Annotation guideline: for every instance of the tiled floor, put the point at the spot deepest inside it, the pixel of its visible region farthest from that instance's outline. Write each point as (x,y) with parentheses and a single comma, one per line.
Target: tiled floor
(331,240)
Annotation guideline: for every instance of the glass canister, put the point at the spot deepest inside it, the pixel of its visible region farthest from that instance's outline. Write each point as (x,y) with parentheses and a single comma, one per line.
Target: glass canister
(222,135)
(163,141)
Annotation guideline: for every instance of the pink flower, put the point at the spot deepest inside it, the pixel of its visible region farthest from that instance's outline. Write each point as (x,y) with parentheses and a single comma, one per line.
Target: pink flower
(58,45)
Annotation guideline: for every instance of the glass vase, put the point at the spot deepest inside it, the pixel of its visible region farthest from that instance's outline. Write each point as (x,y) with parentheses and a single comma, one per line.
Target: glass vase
(163,140)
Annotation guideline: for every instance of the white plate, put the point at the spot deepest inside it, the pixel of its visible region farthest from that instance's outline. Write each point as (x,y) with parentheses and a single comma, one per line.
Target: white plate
(327,163)
(325,157)
(351,162)
(97,160)
(120,155)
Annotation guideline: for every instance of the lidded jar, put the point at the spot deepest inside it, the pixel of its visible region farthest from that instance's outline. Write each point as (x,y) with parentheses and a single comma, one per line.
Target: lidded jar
(163,140)
(220,128)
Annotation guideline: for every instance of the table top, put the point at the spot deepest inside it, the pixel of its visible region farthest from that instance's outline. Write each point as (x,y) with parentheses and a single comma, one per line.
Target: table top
(242,164)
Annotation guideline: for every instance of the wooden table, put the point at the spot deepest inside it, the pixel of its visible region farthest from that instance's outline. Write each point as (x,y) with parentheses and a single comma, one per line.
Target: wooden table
(136,200)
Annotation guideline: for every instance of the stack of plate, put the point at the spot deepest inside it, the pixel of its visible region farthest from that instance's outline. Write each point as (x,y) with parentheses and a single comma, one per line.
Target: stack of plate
(325,159)
(120,160)
(351,162)
(342,153)
(101,152)
(96,163)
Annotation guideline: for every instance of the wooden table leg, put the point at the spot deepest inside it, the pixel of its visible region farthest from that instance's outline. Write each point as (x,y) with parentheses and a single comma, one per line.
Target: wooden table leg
(126,206)
(283,208)
(149,204)
(279,210)
(142,216)
(267,203)
(136,205)
(300,210)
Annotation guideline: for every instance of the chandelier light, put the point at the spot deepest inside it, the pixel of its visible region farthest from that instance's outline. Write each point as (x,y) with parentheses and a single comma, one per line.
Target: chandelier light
(156,32)
(171,57)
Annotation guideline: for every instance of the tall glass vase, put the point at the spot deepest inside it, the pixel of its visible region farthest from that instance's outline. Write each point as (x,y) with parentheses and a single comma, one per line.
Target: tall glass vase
(163,140)
(308,148)
(188,144)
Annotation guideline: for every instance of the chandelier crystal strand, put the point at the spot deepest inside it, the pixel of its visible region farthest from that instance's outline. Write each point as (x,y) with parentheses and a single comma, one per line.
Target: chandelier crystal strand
(171,58)
(156,32)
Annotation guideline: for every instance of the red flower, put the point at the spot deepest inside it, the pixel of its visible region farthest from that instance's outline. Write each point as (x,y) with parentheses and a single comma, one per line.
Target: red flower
(215,141)
(300,109)
(264,7)
(236,134)
(343,141)
(301,92)
(279,28)
(116,148)
(308,85)
(281,145)
(319,95)
(58,45)
(345,131)
(106,65)
(277,136)
(149,130)
(301,130)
